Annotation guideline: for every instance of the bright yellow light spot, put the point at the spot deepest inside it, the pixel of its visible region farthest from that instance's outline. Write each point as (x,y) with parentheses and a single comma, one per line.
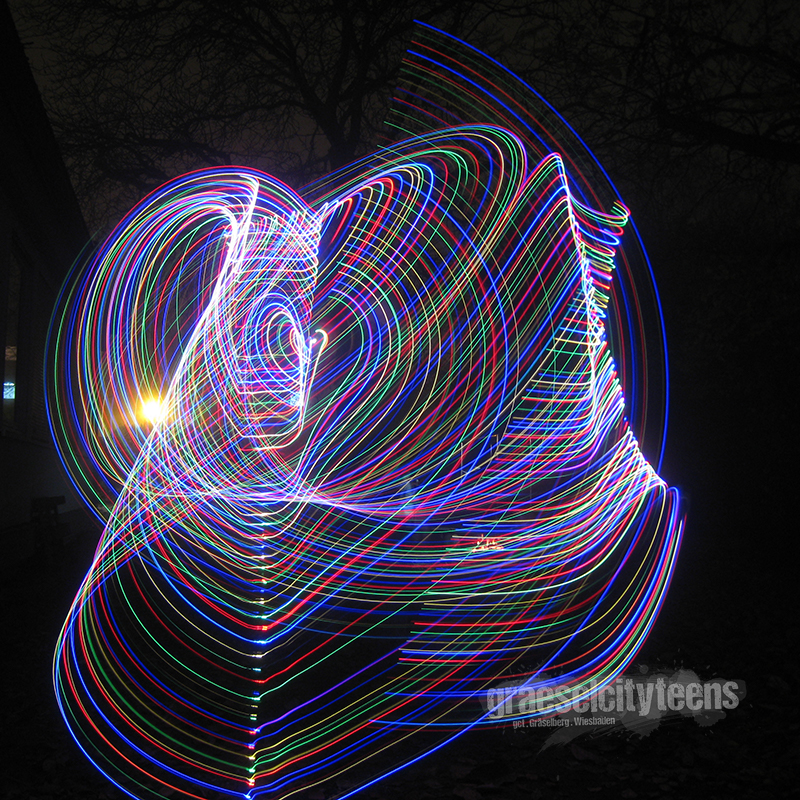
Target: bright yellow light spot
(154,411)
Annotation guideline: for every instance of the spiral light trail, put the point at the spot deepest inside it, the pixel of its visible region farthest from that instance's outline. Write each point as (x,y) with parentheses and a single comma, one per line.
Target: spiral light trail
(359,455)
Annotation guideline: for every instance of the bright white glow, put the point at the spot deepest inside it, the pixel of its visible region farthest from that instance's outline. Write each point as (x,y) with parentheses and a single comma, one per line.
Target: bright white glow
(154,411)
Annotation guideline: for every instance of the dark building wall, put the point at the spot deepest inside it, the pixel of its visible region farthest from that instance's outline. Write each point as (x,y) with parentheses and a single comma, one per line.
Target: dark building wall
(41,234)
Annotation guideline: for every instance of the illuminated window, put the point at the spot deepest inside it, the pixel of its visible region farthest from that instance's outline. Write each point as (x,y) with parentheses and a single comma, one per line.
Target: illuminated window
(12,328)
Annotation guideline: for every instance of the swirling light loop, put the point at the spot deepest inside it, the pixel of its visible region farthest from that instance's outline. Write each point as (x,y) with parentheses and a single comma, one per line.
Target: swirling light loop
(392,464)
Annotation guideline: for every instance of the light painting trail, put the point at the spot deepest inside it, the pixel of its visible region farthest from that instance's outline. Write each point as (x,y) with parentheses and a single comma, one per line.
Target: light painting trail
(359,453)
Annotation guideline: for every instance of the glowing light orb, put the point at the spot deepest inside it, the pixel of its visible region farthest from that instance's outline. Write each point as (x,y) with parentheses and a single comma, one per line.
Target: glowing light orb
(154,411)
(396,466)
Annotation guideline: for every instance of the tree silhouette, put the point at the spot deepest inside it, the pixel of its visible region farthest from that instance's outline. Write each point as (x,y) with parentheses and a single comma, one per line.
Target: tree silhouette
(139,91)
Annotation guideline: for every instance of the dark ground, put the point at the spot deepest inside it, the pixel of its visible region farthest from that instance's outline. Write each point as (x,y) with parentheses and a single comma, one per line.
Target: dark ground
(725,616)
